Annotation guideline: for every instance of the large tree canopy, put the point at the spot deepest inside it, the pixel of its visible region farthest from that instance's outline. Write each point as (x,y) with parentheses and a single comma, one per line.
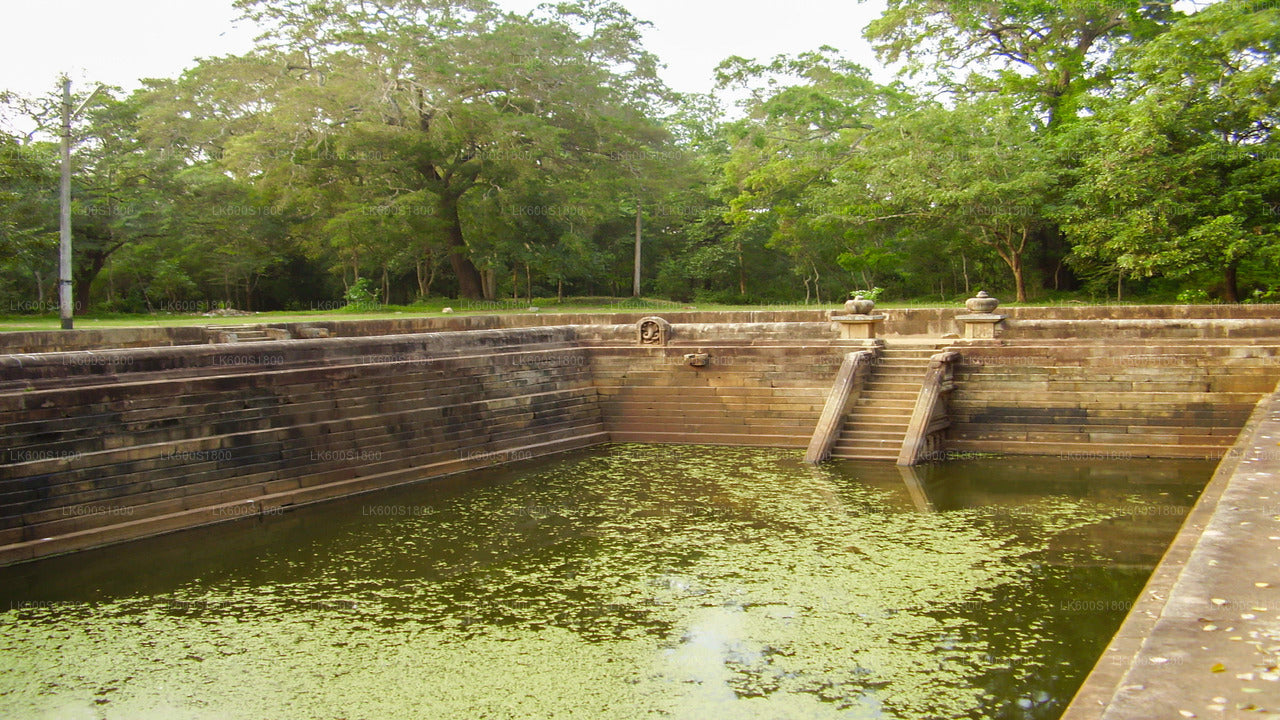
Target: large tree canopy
(425,110)
(1182,172)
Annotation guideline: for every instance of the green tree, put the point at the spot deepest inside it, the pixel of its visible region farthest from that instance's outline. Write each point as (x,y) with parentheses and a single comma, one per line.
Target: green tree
(795,161)
(434,107)
(1049,53)
(1182,173)
(28,223)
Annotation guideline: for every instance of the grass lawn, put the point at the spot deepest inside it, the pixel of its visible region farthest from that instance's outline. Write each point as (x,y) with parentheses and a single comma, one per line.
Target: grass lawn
(434,308)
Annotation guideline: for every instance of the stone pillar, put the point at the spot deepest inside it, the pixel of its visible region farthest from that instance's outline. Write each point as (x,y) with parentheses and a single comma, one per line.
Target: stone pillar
(981,322)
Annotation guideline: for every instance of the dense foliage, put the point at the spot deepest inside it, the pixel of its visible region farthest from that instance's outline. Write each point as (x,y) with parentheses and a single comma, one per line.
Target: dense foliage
(413,148)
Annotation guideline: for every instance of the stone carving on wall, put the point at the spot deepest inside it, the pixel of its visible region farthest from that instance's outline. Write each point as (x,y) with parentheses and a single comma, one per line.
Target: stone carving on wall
(653,331)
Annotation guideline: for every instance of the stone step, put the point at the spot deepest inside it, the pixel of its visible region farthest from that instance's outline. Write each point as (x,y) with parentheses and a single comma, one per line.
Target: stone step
(273,461)
(422,417)
(1089,435)
(119,398)
(963,424)
(857,435)
(1088,450)
(122,433)
(683,438)
(271,501)
(82,516)
(860,424)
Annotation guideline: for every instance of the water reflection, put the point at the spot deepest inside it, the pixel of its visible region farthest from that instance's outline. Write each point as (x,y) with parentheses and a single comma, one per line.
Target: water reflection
(625,583)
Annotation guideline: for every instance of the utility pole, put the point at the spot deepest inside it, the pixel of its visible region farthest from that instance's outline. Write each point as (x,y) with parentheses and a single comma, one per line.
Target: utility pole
(64,219)
(635,285)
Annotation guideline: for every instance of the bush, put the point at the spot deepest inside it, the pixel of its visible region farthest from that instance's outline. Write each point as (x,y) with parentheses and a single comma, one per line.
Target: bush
(361,296)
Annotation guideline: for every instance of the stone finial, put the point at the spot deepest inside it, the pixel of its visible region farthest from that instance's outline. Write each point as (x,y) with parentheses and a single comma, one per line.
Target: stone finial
(859,305)
(653,331)
(982,303)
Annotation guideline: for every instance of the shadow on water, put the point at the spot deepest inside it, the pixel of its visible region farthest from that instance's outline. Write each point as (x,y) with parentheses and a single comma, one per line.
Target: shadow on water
(624,582)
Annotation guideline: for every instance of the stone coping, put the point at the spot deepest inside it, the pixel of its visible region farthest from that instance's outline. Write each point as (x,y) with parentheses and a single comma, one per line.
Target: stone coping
(898,321)
(1203,639)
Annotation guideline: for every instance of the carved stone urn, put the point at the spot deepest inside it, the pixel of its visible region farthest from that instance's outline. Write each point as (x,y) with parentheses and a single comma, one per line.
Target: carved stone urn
(982,303)
(859,306)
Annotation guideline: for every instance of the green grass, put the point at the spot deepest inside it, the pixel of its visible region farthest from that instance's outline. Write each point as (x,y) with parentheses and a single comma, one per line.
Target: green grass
(435,307)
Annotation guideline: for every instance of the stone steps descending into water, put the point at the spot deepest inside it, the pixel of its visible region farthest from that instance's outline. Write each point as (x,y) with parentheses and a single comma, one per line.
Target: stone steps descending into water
(876,426)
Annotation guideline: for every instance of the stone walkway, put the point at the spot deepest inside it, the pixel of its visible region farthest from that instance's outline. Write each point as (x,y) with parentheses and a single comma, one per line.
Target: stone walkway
(1203,641)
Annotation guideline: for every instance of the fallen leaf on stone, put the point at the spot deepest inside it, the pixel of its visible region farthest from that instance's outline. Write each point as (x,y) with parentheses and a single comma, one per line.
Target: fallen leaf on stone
(1262,584)
(1218,667)
(1210,627)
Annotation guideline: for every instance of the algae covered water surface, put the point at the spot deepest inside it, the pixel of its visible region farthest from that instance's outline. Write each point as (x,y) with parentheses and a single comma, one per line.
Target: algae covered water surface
(629,582)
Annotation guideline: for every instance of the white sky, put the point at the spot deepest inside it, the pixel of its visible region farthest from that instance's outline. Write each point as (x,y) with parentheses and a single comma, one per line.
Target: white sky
(120,41)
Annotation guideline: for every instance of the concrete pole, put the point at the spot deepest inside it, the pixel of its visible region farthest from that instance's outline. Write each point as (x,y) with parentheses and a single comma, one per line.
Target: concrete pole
(635,285)
(64,221)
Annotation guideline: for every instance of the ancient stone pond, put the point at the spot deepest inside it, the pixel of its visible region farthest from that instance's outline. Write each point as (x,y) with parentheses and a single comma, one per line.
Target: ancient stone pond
(630,581)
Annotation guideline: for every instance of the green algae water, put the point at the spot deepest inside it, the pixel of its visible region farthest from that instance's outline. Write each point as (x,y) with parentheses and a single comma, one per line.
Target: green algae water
(628,582)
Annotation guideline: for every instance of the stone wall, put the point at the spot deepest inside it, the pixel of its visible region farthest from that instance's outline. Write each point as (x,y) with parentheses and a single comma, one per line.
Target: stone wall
(100,446)
(1023,322)
(1123,398)
(132,443)
(769,393)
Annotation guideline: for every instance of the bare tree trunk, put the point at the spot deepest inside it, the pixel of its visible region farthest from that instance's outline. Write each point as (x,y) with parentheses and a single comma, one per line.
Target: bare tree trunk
(1017,277)
(490,284)
(742,271)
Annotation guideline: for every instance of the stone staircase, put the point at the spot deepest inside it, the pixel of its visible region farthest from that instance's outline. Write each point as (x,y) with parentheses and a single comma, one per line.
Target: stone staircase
(244,333)
(877,425)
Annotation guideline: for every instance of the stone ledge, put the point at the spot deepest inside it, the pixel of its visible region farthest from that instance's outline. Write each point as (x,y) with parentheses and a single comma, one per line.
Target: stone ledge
(1164,661)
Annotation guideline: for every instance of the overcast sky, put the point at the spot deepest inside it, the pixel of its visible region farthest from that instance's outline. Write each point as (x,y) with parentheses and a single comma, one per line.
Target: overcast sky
(120,41)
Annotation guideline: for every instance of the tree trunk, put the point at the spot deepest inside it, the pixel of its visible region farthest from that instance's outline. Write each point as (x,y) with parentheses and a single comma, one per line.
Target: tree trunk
(1231,288)
(742,271)
(83,279)
(1017,277)
(469,283)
